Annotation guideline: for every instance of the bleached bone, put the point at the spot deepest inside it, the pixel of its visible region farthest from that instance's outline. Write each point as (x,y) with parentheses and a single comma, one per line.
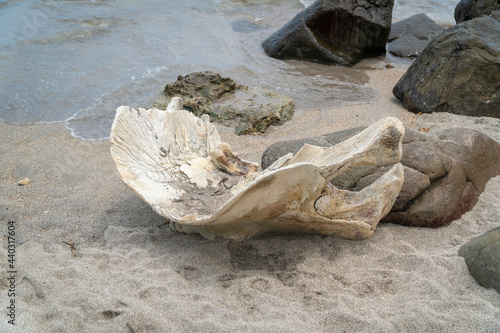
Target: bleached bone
(177,163)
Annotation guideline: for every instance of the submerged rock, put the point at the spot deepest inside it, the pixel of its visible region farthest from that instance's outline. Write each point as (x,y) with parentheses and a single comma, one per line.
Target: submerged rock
(249,109)
(458,72)
(334,31)
(444,173)
(482,256)
(410,36)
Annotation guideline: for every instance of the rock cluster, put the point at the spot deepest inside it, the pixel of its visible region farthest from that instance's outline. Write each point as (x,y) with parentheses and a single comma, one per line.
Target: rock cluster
(444,173)
(410,36)
(458,72)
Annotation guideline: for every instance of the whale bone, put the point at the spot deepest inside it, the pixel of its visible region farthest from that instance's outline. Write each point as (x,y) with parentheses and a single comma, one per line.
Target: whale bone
(177,163)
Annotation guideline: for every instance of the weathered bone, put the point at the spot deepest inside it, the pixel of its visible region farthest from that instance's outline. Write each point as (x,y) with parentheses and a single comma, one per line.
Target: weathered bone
(177,163)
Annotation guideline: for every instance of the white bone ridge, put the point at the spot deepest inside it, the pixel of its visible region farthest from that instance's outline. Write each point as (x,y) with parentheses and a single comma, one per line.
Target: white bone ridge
(177,163)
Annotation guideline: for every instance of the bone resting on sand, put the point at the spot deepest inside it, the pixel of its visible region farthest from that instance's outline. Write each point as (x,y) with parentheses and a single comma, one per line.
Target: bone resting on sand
(177,163)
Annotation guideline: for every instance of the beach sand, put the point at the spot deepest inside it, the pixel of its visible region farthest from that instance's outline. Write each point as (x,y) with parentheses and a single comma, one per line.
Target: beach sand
(131,273)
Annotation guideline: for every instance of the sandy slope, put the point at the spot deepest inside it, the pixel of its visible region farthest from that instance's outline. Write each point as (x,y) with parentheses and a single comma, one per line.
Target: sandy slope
(129,275)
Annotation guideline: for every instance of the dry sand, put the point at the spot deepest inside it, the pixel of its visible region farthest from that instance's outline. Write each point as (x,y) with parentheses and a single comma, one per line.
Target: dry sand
(128,274)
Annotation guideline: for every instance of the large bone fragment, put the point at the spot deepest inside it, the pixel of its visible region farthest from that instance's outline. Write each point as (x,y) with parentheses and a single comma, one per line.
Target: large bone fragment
(177,163)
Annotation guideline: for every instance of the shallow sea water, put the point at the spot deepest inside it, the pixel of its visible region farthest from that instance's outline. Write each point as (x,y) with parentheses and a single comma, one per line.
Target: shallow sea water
(77,61)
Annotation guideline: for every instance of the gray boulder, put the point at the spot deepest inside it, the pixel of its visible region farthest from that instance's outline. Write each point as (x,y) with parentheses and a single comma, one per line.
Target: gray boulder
(469,9)
(458,72)
(482,256)
(248,109)
(410,36)
(278,149)
(444,173)
(253,109)
(334,31)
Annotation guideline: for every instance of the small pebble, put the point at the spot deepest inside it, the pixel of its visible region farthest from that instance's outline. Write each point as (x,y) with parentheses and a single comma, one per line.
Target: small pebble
(23,182)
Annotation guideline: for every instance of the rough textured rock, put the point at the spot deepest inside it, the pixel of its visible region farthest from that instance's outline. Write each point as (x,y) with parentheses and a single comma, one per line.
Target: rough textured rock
(334,31)
(249,109)
(177,163)
(254,109)
(444,173)
(469,9)
(410,36)
(496,15)
(458,72)
(458,163)
(482,256)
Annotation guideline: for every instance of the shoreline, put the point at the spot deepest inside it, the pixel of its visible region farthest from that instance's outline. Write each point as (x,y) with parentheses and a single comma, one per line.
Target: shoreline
(129,272)
(312,122)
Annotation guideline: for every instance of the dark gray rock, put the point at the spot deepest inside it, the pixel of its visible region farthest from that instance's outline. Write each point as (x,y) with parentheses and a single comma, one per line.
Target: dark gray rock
(278,149)
(496,15)
(469,9)
(444,173)
(482,256)
(458,72)
(334,31)
(248,109)
(410,36)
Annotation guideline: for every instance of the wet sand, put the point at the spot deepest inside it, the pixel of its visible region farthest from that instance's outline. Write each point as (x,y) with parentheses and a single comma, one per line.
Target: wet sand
(129,273)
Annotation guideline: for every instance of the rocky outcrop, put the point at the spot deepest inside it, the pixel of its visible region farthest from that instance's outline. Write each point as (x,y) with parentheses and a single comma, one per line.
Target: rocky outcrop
(451,169)
(248,109)
(469,9)
(199,90)
(410,36)
(444,173)
(482,256)
(334,31)
(458,72)
(278,149)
